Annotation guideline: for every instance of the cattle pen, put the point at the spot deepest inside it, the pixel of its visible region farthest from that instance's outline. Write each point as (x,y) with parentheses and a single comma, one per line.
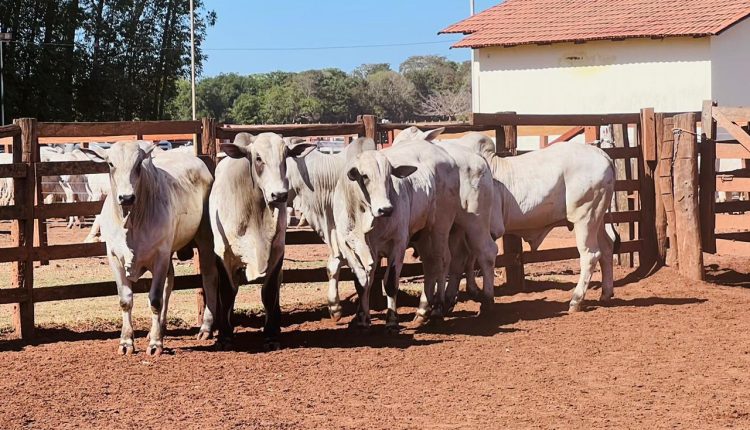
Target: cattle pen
(646,207)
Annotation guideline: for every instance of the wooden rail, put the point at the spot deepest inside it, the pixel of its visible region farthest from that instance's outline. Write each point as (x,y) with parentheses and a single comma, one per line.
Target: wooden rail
(27,170)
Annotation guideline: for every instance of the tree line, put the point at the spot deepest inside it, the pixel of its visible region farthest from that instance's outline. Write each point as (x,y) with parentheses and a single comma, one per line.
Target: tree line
(423,87)
(97,60)
(115,60)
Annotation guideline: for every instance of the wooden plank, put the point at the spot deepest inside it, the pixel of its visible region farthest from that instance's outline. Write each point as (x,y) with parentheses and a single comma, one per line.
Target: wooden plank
(12,212)
(72,250)
(592,134)
(627,185)
(649,256)
(739,236)
(648,134)
(706,178)
(64,210)
(293,130)
(620,199)
(732,184)
(568,135)
(738,173)
(660,216)
(73,129)
(734,114)
(735,130)
(622,153)
(686,198)
(10,130)
(568,253)
(666,179)
(16,253)
(14,170)
(495,119)
(53,168)
(13,295)
(734,206)
(731,151)
(24,192)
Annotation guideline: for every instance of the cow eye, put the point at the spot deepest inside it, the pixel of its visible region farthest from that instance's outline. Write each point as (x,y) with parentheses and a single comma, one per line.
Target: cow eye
(258,159)
(365,178)
(110,164)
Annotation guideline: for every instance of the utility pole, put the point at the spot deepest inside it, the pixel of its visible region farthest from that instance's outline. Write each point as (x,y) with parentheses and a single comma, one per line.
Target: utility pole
(5,37)
(192,56)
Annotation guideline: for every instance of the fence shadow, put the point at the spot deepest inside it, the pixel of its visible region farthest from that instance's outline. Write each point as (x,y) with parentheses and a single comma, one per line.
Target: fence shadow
(727,277)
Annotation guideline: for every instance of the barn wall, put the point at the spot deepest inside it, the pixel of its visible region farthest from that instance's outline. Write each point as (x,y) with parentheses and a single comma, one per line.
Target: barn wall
(672,74)
(730,52)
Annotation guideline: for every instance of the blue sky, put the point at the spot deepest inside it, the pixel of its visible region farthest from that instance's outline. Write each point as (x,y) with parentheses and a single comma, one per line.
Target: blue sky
(325,23)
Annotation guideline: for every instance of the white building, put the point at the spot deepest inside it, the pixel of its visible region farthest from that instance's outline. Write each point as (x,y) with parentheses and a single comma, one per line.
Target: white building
(584,56)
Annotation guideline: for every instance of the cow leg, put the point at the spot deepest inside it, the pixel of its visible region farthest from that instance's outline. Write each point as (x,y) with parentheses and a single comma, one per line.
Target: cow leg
(433,249)
(209,266)
(156,300)
(125,293)
(484,249)
(228,286)
(91,237)
(588,248)
(606,263)
(459,262)
(334,302)
(392,278)
(165,298)
(270,296)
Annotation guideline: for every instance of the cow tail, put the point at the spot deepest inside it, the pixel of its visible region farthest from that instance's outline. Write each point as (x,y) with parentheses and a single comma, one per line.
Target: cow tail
(614,236)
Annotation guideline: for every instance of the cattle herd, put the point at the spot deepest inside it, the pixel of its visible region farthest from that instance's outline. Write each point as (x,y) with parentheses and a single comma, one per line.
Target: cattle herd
(449,200)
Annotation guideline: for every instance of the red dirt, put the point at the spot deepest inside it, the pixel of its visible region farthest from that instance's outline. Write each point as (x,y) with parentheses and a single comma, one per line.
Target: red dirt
(666,353)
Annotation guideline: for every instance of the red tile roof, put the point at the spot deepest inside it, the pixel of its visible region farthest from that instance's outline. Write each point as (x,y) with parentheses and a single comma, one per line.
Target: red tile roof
(519,22)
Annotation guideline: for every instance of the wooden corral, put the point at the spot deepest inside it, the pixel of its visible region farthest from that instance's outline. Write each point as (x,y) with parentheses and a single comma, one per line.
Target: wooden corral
(639,216)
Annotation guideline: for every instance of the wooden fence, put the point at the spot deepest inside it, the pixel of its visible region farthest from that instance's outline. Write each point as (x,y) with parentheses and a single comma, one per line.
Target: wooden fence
(636,184)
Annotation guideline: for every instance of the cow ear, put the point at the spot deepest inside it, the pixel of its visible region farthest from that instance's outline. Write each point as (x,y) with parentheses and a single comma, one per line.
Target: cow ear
(403,171)
(96,154)
(433,134)
(291,141)
(353,174)
(233,150)
(300,150)
(146,146)
(244,139)
(358,146)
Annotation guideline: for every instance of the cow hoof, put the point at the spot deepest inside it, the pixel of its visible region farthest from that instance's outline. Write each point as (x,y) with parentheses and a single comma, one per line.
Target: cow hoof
(335,313)
(574,308)
(420,320)
(205,335)
(392,329)
(485,309)
(224,344)
(154,350)
(125,350)
(271,345)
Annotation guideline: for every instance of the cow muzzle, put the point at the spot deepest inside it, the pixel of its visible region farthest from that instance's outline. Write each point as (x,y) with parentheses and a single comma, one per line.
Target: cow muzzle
(279,197)
(126,199)
(382,211)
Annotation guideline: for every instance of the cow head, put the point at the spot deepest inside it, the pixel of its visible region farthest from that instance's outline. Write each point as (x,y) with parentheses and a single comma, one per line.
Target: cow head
(413,133)
(267,154)
(372,171)
(125,160)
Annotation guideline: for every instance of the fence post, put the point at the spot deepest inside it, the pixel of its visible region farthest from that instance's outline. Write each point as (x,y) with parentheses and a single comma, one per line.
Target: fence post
(208,141)
(507,144)
(666,185)
(23,152)
(660,213)
(708,178)
(371,126)
(41,223)
(647,225)
(686,197)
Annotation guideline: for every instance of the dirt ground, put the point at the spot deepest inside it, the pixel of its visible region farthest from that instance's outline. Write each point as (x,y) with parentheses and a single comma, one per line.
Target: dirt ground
(666,353)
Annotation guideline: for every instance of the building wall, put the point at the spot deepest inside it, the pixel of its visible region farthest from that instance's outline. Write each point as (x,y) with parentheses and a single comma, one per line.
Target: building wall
(672,74)
(730,68)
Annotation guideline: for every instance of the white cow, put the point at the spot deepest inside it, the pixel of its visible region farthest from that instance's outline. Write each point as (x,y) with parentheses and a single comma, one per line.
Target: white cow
(312,180)
(479,221)
(156,206)
(248,218)
(384,199)
(6,184)
(566,181)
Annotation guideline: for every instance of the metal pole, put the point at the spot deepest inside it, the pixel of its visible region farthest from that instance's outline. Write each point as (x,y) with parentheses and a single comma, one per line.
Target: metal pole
(2,86)
(192,56)
(474,75)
